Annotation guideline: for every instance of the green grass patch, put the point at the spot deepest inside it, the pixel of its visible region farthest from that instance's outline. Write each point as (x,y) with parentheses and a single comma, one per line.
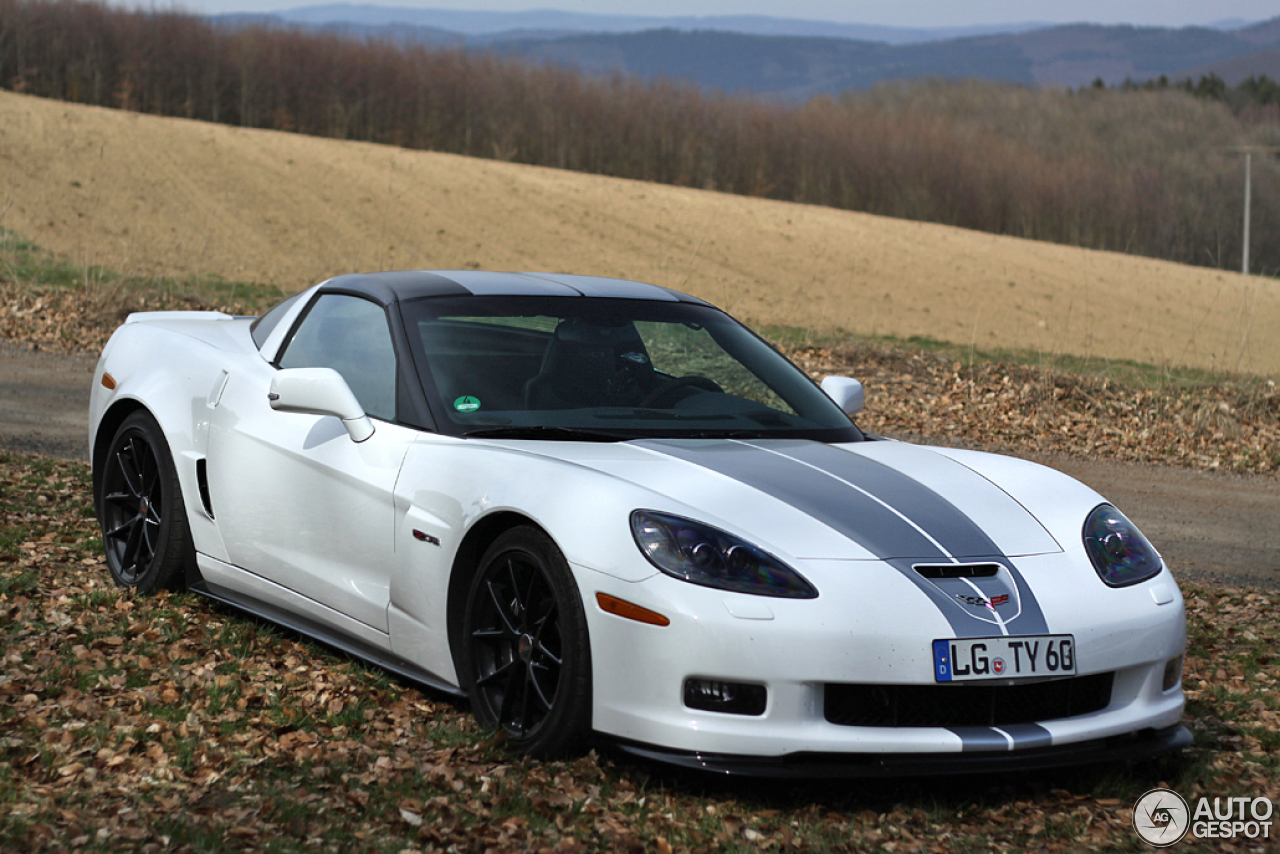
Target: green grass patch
(24,262)
(1121,371)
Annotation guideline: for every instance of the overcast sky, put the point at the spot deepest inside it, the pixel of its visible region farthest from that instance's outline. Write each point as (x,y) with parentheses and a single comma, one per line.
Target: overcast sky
(901,13)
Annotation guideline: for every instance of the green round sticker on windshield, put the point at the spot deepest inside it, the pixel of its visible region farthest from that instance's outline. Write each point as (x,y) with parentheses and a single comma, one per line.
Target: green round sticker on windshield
(467,403)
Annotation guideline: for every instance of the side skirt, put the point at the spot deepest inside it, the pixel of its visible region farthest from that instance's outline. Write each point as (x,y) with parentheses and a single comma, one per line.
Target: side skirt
(326,636)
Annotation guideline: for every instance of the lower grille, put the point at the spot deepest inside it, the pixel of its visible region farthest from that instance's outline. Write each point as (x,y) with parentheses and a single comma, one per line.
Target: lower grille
(965,705)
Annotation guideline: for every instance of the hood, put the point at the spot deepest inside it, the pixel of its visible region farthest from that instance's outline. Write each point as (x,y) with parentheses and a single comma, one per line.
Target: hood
(949,530)
(863,501)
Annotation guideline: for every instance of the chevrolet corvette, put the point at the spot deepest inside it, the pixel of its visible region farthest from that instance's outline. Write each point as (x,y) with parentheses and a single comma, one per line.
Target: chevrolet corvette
(606,511)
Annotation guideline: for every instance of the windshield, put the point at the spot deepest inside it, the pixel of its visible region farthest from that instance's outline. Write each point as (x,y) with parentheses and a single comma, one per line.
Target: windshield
(609,369)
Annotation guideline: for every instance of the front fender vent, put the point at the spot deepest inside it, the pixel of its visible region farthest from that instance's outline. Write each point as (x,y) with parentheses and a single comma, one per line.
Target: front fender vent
(202,480)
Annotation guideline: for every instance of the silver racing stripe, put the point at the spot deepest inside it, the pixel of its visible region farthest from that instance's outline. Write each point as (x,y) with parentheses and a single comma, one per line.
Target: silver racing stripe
(895,517)
(1009,737)
(981,738)
(1028,735)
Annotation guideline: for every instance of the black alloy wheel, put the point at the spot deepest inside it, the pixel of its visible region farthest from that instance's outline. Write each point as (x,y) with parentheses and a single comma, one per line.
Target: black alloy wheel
(144,523)
(527,659)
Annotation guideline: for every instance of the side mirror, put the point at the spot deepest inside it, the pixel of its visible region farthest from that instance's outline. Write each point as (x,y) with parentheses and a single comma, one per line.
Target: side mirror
(319,391)
(847,393)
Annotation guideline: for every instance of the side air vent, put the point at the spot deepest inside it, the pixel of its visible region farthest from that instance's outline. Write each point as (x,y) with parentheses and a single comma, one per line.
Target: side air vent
(957,570)
(202,478)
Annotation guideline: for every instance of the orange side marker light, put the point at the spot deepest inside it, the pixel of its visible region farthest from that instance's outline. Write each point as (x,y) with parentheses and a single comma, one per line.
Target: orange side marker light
(623,608)
(108,381)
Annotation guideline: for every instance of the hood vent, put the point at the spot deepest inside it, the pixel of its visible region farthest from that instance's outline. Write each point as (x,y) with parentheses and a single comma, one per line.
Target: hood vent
(957,570)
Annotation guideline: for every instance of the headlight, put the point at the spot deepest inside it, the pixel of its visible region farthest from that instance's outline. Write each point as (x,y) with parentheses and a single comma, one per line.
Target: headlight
(701,554)
(1119,552)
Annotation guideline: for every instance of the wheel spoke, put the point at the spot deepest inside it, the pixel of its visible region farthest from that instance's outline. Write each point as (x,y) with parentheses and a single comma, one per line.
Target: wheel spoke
(546,653)
(499,673)
(501,610)
(149,538)
(129,563)
(537,689)
(505,714)
(114,533)
(545,619)
(149,477)
(125,468)
(521,610)
(534,578)
(524,701)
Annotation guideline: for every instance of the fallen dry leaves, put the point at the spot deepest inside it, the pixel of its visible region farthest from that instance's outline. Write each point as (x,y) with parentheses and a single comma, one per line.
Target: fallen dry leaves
(171,724)
(82,319)
(1227,425)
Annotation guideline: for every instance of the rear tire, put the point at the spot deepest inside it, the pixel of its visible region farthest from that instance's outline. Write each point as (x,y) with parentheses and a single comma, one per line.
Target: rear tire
(526,654)
(144,521)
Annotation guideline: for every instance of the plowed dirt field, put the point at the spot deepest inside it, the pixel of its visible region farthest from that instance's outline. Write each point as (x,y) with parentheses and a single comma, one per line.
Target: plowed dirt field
(143,194)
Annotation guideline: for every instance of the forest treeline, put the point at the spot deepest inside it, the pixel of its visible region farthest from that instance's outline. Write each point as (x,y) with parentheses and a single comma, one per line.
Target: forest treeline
(1256,99)
(1154,172)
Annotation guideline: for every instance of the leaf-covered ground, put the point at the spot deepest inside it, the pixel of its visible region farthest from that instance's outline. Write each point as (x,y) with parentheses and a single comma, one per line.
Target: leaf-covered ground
(1224,424)
(172,724)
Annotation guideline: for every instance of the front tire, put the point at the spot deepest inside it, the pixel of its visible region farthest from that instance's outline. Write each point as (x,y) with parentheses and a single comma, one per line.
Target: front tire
(526,652)
(144,521)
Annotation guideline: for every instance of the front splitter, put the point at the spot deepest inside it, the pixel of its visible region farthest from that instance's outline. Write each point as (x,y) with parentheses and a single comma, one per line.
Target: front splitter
(1143,744)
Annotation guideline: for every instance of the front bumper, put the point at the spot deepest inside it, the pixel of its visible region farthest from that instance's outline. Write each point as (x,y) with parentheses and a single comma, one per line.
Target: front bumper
(867,628)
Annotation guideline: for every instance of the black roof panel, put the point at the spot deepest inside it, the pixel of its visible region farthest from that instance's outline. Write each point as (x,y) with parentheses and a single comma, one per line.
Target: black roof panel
(403,285)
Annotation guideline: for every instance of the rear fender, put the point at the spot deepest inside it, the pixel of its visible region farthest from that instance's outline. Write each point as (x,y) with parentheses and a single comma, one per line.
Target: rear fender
(177,379)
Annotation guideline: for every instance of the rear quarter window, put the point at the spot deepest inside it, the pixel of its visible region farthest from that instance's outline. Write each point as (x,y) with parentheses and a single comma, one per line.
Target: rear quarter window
(261,328)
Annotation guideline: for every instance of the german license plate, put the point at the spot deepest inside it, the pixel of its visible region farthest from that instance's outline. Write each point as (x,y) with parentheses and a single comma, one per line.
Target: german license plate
(971,659)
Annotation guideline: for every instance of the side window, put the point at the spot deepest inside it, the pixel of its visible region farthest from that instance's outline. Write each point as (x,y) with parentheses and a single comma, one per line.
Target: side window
(350,335)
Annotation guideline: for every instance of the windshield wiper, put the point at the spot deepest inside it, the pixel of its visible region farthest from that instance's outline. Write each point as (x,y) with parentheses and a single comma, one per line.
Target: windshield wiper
(725,434)
(542,431)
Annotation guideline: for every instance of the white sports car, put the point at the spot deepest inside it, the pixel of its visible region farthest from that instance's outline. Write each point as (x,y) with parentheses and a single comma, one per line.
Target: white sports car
(603,509)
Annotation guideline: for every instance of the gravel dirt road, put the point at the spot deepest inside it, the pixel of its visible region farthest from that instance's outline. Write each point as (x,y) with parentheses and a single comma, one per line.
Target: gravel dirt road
(1215,528)
(44,401)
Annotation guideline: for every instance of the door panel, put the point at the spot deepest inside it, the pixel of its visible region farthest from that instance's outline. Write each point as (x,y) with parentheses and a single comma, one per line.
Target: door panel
(301,504)
(298,502)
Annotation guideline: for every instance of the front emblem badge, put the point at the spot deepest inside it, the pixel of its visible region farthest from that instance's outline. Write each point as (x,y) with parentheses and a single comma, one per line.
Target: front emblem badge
(983,601)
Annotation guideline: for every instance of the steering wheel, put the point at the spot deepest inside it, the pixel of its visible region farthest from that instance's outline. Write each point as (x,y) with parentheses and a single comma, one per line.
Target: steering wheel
(658,398)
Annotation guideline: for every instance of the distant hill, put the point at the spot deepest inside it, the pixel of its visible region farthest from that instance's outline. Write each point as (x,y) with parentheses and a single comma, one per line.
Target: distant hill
(486,26)
(792,67)
(1233,71)
(796,67)
(787,59)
